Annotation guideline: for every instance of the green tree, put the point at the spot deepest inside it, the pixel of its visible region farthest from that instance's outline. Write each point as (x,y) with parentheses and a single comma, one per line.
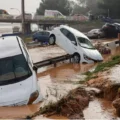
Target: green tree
(110,6)
(63,6)
(84,6)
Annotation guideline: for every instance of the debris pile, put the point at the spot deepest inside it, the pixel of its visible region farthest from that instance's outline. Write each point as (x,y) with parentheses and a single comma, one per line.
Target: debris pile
(102,48)
(70,106)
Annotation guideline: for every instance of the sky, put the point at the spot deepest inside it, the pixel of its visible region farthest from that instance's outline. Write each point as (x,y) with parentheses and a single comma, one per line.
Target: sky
(30,6)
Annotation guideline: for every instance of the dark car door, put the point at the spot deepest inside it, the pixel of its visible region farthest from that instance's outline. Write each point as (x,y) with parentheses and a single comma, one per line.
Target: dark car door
(45,36)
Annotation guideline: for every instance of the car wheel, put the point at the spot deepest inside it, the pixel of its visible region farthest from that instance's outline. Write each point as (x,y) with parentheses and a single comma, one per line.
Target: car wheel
(99,36)
(76,58)
(52,40)
(36,40)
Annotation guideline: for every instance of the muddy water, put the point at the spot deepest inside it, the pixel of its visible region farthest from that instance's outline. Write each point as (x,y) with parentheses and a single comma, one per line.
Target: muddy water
(100,109)
(44,53)
(66,72)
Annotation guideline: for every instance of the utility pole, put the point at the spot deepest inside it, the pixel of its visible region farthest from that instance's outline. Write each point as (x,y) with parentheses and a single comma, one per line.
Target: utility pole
(108,13)
(23,16)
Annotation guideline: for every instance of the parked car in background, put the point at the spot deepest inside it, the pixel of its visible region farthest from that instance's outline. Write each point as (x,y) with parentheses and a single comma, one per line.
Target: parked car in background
(75,43)
(27,16)
(18,79)
(41,36)
(5,15)
(80,17)
(111,30)
(95,33)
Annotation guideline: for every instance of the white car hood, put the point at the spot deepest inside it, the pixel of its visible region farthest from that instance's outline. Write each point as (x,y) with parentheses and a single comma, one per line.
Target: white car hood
(93,54)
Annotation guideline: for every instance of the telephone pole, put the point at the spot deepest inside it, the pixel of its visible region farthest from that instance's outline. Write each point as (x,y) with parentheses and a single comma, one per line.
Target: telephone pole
(23,16)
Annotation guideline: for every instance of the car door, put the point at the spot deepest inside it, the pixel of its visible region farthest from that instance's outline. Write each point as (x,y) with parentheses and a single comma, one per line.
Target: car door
(72,42)
(67,39)
(46,36)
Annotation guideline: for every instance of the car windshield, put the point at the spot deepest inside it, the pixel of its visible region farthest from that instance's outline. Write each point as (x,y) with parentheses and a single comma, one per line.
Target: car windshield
(14,68)
(83,42)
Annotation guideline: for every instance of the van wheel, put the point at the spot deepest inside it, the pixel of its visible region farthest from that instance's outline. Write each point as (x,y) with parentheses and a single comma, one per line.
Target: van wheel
(52,40)
(76,58)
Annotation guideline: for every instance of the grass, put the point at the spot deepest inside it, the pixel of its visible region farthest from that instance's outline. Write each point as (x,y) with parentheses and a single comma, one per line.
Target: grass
(103,67)
(27,39)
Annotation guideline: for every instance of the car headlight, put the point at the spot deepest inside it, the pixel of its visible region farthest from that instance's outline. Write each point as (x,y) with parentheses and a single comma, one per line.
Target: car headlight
(86,57)
(33,97)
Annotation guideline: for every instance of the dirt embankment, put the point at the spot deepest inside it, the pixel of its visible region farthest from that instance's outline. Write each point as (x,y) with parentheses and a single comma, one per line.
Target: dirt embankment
(70,106)
(107,81)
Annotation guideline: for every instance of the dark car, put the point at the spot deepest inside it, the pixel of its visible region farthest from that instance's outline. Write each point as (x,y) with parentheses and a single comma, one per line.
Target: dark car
(95,33)
(111,30)
(41,36)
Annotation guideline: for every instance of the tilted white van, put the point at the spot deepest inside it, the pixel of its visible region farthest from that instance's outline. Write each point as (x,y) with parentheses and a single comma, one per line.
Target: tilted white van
(18,80)
(75,43)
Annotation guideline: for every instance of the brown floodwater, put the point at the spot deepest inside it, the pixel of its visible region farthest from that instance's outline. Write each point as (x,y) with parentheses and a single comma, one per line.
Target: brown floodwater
(51,82)
(100,109)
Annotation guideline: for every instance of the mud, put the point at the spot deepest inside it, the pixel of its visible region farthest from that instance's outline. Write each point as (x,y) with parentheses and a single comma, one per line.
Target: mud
(71,105)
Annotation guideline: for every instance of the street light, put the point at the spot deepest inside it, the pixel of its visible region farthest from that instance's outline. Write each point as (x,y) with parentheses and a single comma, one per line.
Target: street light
(16,9)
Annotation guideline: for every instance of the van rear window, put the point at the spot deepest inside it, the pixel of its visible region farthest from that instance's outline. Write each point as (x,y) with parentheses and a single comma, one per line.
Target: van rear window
(14,69)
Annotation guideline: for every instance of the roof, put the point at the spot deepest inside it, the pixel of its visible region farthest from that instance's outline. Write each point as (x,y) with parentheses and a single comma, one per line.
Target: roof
(9,46)
(75,32)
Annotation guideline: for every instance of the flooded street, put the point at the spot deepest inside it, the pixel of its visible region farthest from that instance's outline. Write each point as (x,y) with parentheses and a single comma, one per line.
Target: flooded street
(57,82)
(100,109)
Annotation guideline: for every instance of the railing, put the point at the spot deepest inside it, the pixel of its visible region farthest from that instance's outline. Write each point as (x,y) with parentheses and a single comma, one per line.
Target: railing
(37,17)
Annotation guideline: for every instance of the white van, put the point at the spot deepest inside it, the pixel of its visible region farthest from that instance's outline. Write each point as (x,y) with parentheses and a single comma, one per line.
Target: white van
(54,13)
(18,80)
(75,43)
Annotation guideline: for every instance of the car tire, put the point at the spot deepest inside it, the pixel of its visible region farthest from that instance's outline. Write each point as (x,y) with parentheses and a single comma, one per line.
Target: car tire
(36,40)
(99,36)
(76,58)
(52,40)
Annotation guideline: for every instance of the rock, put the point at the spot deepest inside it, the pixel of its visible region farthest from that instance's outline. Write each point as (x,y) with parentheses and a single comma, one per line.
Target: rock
(111,92)
(116,104)
(77,116)
(102,48)
(94,92)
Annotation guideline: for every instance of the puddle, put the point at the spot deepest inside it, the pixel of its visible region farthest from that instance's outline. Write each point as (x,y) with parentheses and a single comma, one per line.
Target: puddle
(66,72)
(100,109)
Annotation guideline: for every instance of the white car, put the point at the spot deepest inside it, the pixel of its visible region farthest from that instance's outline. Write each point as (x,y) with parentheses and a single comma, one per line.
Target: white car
(18,80)
(75,43)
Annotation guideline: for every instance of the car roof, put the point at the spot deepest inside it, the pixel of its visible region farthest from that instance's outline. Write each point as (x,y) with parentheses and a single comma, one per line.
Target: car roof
(9,46)
(74,31)
(116,24)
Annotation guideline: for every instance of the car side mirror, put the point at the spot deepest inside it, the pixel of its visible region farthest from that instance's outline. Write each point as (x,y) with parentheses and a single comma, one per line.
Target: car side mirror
(73,42)
(35,68)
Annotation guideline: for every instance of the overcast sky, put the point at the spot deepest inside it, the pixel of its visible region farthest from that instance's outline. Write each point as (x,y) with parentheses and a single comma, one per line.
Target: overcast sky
(30,5)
